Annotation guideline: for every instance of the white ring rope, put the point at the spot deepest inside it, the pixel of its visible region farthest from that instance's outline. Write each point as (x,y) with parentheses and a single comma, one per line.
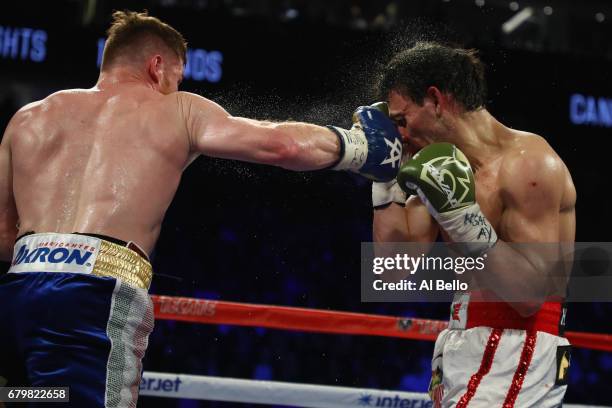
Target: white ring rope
(280,393)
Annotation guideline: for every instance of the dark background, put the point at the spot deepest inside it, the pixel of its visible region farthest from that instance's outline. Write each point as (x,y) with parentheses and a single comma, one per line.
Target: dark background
(258,234)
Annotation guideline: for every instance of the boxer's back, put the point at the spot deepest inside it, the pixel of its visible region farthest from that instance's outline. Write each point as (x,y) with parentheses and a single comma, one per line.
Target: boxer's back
(98,161)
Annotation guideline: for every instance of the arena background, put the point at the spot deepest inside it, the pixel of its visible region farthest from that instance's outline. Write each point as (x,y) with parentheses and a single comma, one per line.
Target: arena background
(258,234)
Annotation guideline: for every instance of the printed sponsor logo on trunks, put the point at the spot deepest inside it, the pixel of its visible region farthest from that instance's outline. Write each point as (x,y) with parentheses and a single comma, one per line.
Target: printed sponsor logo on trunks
(369,400)
(191,307)
(157,384)
(54,252)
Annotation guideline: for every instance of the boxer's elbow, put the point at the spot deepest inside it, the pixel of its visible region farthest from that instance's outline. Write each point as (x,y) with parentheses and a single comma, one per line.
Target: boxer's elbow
(7,242)
(382,233)
(6,248)
(6,254)
(530,299)
(527,309)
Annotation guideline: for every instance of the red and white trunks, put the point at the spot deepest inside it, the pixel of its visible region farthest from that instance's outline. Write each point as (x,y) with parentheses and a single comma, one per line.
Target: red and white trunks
(490,357)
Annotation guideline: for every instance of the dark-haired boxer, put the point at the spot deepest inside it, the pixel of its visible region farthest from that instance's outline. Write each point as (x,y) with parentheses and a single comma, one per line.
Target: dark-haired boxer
(89,173)
(484,185)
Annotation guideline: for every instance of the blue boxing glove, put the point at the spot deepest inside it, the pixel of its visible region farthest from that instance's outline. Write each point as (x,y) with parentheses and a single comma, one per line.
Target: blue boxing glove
(373,146)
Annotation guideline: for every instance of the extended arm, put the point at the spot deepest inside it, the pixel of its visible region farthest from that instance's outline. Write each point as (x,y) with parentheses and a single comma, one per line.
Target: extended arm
(370,147)
(295,146)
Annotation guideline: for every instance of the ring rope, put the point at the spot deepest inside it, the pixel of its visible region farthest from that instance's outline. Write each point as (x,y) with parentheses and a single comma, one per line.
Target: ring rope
(170,385)
(272,392)
(323,321)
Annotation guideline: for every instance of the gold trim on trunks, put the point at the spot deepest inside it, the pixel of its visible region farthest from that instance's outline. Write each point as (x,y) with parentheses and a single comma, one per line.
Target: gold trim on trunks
(122,263)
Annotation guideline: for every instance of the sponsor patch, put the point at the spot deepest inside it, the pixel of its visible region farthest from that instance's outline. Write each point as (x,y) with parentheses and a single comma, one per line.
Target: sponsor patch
(55,253)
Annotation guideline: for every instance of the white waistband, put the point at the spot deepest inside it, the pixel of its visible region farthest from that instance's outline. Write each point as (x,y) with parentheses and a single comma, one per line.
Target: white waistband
(55,252)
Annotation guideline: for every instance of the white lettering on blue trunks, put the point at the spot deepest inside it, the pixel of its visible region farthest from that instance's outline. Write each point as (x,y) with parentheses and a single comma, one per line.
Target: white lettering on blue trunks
(57,255)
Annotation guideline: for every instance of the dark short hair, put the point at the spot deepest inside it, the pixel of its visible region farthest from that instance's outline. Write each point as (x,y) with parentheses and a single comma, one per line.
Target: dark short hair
(456,71)
(130,29)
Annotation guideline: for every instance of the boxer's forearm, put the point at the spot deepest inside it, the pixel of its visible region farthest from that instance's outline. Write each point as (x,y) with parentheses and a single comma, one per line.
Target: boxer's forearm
(371,147)
(392,234)
(412,223)
(389,224)
(306,147)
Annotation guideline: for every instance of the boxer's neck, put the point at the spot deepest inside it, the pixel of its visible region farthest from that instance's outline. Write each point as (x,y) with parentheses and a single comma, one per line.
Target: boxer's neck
(123,75)
(478,135)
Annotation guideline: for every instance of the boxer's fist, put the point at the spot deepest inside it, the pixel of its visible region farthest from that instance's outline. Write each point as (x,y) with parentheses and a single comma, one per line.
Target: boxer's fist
(441,173)
(442,177)
(373,146)
(387,192)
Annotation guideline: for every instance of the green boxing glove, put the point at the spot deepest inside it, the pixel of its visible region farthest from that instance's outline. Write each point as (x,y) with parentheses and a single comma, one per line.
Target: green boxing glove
(442,177)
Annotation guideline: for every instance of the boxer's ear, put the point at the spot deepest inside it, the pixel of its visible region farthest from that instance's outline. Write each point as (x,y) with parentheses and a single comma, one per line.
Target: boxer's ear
(155,69)
(437,98)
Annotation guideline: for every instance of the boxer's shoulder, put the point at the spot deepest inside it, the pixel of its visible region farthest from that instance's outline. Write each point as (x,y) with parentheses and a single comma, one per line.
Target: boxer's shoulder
(528,154)
(27,116)
(531,168)
(62,98)
(55,103)
(27,111)
(189,103)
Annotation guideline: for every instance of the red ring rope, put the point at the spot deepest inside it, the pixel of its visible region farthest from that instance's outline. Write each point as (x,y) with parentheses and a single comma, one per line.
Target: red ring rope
(323,321)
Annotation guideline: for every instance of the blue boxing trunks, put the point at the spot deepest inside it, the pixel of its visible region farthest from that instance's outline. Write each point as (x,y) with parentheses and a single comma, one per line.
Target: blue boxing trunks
(76,313)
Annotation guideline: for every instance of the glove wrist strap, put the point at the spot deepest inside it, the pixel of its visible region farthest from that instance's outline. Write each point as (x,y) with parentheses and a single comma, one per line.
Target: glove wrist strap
(384,194)
(353,148)
(469,228)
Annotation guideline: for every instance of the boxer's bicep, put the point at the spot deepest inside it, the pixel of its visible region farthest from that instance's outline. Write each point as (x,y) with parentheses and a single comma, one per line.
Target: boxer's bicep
(8,210)
(532,201)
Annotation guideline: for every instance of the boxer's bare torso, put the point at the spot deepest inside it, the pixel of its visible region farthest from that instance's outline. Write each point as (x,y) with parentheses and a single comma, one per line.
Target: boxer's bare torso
(105,161)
